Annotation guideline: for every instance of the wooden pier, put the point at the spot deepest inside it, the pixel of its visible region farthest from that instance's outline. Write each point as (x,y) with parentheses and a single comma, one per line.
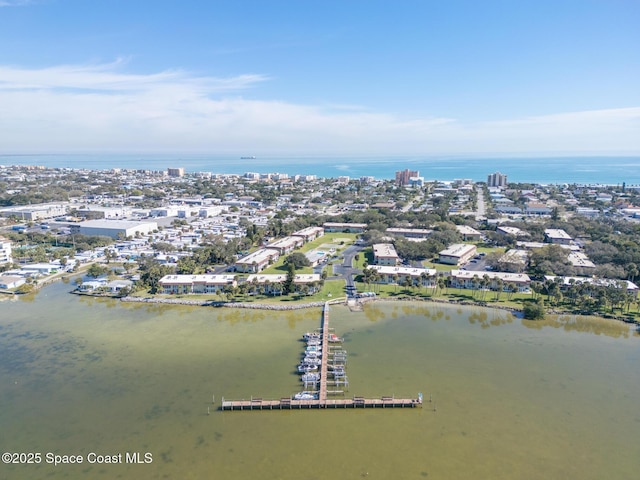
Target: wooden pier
(322,401)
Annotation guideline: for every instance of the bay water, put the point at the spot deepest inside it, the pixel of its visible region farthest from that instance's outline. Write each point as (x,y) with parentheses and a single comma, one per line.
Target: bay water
(510,398)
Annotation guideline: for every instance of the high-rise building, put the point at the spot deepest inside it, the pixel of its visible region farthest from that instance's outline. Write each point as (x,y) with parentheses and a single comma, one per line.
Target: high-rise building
(497,180)
(402,177)
(5,251)
(175,172)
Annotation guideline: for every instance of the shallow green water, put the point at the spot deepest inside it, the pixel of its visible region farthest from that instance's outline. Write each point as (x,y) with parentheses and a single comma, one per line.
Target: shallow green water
(512,399)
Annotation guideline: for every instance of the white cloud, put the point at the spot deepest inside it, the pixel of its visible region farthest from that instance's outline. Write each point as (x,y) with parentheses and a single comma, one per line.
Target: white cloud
(99,107)
(15,3)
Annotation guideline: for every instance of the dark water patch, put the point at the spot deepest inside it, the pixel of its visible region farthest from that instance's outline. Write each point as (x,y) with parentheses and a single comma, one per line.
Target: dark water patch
(166,456)
(156,412)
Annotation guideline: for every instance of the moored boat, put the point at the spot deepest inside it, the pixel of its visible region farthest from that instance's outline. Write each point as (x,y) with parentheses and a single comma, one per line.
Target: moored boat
(307,367)
(333,338)
(310,377)
(305,396)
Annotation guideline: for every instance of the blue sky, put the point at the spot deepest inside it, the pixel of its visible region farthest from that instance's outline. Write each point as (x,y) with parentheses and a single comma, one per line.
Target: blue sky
(344,77)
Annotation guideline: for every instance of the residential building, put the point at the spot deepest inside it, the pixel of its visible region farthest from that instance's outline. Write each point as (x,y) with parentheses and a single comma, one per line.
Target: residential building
(272,284)
(468,233)
(5,251)
(557,236)
(403,177)
(566,282)
(395,274)
(257,261)
(470,279)
(514,261)
(385,254)
(497,180)
(175,172)
(185,284)
(410,233)
(287,244)
(457,254)
(512,231)
(581,262)
(309,234)
(345,227)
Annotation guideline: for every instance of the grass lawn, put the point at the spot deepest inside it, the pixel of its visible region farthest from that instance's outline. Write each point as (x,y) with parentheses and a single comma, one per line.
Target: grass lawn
(332,289)
(337,240)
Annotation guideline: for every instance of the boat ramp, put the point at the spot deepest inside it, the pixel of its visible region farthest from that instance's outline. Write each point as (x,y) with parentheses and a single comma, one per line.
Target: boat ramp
(331,363)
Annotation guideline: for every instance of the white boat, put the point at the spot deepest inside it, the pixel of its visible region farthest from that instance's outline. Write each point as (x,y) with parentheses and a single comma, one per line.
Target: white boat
(312,336)
(310,377)
(307,367)
(305,396)
(312,360)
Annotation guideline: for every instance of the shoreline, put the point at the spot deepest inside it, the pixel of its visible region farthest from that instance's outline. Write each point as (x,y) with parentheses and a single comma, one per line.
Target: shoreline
(266,306)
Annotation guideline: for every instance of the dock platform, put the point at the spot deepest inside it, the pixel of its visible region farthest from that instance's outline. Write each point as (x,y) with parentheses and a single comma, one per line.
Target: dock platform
(322,401)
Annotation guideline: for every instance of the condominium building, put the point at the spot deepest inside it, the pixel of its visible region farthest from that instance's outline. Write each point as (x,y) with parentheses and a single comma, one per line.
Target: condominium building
(5,251)
(497,180)
(457,254)
(403,177)
(385,254)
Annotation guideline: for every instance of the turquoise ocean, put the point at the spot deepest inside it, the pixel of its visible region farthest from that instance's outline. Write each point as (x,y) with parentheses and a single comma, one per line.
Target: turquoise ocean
(557,170)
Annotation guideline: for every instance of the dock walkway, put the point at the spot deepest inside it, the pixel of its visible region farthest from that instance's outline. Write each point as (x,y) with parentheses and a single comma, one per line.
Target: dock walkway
(322,401)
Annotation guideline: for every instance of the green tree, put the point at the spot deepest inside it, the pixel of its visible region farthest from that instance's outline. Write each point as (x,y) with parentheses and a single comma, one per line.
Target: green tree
(298,260)
(96,270)
(534,310)
(288,285)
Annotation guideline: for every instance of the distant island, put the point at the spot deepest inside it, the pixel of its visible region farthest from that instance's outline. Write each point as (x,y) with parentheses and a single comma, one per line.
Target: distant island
(251,157)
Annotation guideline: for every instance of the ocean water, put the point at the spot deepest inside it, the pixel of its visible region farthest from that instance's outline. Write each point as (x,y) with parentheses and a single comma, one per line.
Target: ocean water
(511,398)
(559,170)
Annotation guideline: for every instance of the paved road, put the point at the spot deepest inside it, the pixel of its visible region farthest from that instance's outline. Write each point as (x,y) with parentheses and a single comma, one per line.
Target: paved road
(347,268)
(480,208)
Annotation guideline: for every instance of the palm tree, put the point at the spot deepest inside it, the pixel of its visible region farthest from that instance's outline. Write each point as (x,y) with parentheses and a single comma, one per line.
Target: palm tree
(499,285)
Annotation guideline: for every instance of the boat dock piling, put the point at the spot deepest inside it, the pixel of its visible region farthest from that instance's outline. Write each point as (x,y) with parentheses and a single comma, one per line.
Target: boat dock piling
(332,363)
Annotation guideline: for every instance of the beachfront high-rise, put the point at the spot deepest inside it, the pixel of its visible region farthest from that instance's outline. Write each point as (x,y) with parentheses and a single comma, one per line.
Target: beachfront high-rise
(497,180)
(175,172)
(402,177)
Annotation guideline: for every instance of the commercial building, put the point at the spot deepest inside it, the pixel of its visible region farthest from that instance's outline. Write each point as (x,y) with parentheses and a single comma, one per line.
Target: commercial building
(457,254)
(113,228)
(35,213)
(8,282)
